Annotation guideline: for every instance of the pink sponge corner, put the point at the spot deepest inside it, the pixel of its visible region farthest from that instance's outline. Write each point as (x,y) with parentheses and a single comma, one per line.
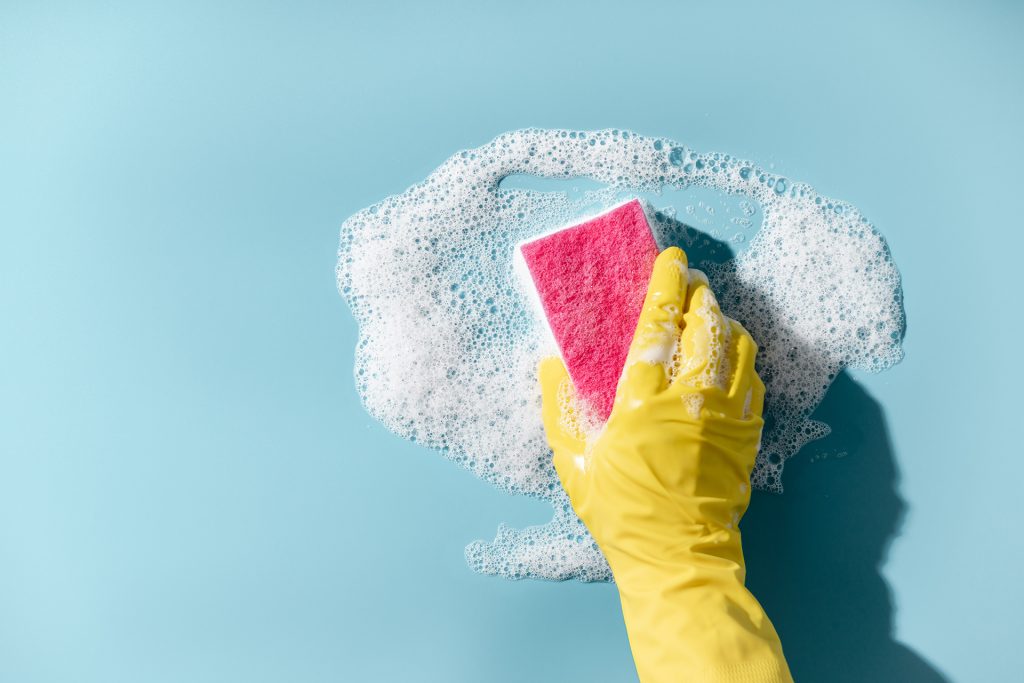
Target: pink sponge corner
(591,280)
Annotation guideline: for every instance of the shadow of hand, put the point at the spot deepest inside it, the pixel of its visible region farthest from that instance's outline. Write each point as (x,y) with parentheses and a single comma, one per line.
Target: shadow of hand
(814,554)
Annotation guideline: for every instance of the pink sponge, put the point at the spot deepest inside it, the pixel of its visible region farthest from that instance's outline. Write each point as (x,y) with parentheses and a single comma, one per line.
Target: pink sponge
(591,280)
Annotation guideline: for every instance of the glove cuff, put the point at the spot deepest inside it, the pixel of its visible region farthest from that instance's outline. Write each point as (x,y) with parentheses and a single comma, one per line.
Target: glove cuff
(767,670)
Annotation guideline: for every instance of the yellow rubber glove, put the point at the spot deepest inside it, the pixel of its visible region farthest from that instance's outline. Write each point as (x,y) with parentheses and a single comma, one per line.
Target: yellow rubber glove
(663,484)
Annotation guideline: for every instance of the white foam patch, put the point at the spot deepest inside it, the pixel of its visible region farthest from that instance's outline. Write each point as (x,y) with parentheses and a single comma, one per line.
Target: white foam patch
(449,342)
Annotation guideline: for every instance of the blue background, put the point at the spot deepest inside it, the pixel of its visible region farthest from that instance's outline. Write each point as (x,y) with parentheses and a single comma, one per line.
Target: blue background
(189,488)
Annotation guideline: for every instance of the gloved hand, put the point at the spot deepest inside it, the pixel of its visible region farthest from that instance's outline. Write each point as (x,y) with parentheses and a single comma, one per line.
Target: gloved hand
(663,484)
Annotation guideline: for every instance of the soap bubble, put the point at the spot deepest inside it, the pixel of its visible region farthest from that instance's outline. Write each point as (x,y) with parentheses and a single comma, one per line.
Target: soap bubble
(449,342)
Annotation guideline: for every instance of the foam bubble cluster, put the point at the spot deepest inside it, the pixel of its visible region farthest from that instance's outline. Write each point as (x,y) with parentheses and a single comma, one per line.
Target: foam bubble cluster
(449,341)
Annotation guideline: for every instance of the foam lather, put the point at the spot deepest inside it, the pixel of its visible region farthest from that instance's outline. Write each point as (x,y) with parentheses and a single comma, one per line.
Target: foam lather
(590,280)
(449,340)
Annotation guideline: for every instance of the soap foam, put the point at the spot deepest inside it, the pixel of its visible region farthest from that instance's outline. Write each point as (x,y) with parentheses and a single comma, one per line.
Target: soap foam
(449,341)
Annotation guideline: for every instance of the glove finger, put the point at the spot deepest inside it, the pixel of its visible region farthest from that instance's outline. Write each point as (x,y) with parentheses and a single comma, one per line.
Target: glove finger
(561,426)
(757,397)
(657,330)
(746,391)
(704,343)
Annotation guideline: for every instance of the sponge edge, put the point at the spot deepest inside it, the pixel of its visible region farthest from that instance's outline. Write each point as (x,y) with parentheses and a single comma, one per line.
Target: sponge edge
(591,280)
